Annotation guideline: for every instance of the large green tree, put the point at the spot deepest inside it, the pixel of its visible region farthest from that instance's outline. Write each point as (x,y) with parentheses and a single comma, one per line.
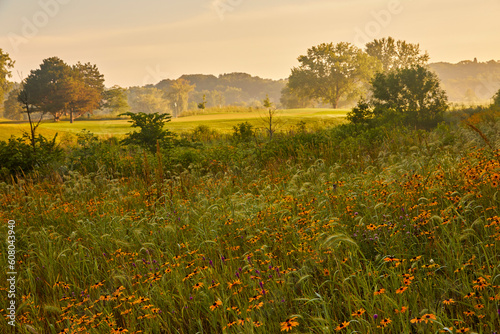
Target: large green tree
(5,65)
(332,73)
(44,89)
(396,54)
(412,94)
(86,88)
(60,89)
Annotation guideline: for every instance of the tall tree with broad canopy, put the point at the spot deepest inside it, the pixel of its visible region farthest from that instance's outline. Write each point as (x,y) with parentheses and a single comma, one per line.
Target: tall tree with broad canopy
(60,89)
(332,73)
(396,54)
(44,89)
(413,94)
(86,89)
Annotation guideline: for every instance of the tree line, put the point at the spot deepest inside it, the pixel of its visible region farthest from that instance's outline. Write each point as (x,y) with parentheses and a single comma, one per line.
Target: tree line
(337,75)
(239,89)
(61,90)
(57,89)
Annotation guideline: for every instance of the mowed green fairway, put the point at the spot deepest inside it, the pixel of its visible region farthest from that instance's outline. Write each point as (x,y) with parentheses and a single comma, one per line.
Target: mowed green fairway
(285,119)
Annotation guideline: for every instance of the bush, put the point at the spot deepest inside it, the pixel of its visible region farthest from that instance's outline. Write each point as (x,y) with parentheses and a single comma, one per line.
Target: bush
(85,156)
(152,130)
(203,133)
(360,114)
(243,132)
(414,93)
(92,154)
(184,157)
(20,155)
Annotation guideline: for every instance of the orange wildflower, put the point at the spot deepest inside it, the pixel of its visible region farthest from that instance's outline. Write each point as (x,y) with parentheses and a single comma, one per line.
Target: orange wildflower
(403,310)
(358,313)
(342,326)
(215,305)
(230,285)
(197,286)
(428,317)
(288,324)
(416,320)
(402,289)
(385,322)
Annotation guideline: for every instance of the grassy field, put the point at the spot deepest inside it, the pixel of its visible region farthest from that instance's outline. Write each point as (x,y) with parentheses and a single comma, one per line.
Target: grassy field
(390,230)
(314,118)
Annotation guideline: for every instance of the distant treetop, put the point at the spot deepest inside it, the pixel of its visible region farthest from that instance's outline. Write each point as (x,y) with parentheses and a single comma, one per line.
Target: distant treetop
(396,54)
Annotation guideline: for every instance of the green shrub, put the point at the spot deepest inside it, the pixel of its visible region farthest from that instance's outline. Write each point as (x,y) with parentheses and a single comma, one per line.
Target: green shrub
(152,130)
(20,155)
(360,114)
(243,132)
(203,133)
(184,157)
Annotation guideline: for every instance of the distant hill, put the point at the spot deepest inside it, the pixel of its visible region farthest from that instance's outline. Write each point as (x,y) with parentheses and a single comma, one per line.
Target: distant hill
(229,89)
(469,81)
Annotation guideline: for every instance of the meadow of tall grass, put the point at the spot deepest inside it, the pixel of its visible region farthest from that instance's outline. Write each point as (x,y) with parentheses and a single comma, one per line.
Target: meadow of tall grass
(340,230)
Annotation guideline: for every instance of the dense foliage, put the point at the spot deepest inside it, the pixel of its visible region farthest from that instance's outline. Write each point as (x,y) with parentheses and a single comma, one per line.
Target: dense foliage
(24,154)
(411,94)
(59,89)
(332,73)
(152,130)
(394,54)
(240,89)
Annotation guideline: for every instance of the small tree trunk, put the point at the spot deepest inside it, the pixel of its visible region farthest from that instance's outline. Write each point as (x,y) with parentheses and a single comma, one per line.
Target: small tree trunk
(71,117)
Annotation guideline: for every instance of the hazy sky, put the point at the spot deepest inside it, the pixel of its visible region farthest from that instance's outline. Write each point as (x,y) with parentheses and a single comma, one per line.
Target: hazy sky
(139,42)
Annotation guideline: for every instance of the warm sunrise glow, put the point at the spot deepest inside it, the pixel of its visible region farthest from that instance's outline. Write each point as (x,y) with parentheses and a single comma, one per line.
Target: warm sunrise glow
(249,166)
(134,43)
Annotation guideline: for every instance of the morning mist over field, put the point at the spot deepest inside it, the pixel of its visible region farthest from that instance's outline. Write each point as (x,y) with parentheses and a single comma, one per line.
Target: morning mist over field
(137,43)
